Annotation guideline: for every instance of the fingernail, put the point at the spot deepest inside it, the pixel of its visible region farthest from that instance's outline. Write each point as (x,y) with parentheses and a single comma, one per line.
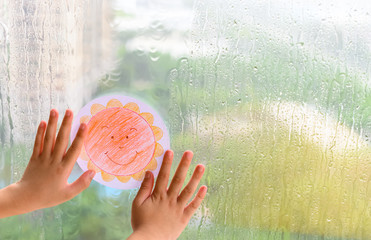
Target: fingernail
(200,169)
(52,113)
(91,173)
(68,113)
(148,175)
(42,124)
(82,126)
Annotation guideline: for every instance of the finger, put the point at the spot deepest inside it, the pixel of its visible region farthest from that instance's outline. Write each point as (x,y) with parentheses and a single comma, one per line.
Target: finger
(145,189)
(163,176)
(80,184)
(188,191)
(75,148)
(50,132)
(196,202)
(39,139)
(64,132)
(180,174)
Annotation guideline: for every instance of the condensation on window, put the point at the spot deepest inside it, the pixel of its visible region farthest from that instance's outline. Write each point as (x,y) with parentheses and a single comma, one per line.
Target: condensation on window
(52,57)
(275,101)
(53,54)
(273,97)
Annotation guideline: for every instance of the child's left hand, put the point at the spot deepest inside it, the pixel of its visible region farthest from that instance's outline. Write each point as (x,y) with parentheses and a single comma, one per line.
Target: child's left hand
(44,182)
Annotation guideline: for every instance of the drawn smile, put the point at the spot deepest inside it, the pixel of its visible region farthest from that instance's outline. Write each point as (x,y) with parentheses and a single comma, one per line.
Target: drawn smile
(122,164)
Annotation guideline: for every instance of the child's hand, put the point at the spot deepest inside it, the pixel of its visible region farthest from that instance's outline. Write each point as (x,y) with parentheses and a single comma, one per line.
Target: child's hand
(164,213)
(44,182)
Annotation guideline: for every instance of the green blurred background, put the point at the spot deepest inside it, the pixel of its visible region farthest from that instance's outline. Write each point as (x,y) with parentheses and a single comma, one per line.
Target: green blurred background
(272,97)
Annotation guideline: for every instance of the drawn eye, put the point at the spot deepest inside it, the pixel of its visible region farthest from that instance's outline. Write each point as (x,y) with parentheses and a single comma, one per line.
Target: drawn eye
(131,129)
(112,137)
(105,126)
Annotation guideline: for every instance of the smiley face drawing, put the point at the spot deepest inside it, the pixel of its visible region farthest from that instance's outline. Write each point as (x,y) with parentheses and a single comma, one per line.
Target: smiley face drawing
(122,142)
(119,141)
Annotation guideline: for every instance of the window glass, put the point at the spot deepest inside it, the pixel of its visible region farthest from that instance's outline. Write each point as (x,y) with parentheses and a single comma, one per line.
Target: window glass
(273,97)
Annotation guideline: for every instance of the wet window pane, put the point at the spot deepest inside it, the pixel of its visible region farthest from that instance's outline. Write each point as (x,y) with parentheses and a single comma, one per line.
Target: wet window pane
(273,97)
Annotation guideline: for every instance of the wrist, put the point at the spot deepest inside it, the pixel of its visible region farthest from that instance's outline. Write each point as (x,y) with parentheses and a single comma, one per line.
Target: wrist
(13,201)
(148,234)
(22,200)
(139,235)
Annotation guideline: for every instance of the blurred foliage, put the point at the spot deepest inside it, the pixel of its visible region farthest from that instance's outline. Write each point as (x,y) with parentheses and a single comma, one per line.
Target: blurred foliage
(137,74)
(280,72)
(262,172)
(262,178)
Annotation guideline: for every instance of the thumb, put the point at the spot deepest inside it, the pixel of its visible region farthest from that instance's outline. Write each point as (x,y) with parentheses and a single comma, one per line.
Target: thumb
(81,183)
(145,189)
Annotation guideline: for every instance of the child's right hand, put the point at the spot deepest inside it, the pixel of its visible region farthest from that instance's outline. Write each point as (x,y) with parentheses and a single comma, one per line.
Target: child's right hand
(164,213)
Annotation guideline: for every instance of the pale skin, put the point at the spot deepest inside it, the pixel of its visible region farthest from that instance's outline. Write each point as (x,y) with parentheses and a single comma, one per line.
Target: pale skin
(163,213)
(44,182)
(159,213)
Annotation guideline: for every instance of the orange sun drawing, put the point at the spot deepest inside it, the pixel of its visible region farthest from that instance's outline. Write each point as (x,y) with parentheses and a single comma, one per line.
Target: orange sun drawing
(122,142)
